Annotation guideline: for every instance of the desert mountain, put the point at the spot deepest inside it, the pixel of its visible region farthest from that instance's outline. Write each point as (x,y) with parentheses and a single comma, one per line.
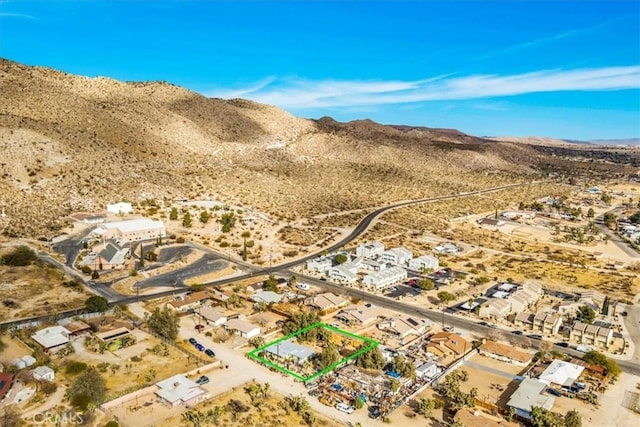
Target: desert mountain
(73,143)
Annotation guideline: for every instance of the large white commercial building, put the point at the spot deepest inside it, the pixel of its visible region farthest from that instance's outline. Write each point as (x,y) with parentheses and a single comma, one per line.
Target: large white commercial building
(385,278)
(370,250)
(397,256)
(424,262)
(319,264)
(132,230)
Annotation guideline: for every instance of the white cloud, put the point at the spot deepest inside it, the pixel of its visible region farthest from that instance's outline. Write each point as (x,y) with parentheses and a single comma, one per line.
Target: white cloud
(297,93)
(16,15)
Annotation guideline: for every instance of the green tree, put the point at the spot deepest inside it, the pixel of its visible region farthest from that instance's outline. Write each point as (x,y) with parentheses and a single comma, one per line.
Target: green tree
(425,407)
(89,388)
(597,358)
(328,356)
(586,314)
(228,220)
(403,367)
(591,213)
(204,217)
(635,218)
(96,304)
(173,215)
(271,284)
(20,256)
(605,305)
(609,219)
(245,235)
(426,284)
(164,323)
(573,419)
(341,258)
(371,359)
(541,417)
(445,297)
(186,220)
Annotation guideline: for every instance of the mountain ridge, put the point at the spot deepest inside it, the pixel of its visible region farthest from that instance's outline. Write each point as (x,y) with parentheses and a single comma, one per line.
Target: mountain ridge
(74,143)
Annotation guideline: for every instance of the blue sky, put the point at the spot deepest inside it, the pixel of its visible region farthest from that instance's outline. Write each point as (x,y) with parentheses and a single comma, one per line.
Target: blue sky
(548,68)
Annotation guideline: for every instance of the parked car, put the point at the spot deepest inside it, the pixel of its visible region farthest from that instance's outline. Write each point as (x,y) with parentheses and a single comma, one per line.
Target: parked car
(535,336)
(210,352)
(193,341)
(345,408)
(493,325)
(374,412)
(303,286)
(517,332)
(202,380)
(562,344)
(200,347)
(448,328)
(553,392)
(483,323)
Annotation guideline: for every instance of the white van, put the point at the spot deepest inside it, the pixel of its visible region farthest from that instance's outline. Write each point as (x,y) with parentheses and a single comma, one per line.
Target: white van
(345,408)
(303,286)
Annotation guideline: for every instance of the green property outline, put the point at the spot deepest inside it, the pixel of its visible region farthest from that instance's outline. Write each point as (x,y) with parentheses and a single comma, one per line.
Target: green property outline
(254,353)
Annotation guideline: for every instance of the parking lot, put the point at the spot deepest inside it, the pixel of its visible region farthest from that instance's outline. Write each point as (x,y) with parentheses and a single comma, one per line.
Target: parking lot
(401,291)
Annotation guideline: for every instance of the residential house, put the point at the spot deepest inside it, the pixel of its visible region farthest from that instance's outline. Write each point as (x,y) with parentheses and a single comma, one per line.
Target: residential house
(6,381)
(444,344)
(75,327)
(116,339)
(591,299)
(94,219)
(358,316)
(396,256)
(529,395)
(491,222)
(242,328)
(52,338)
(214,316)
(120,208)
(496,309)
(179,390)
(288,349)
(189,302)
(319,265)
(112,257)
(267,297)
(505,353)
(427,370)
(326,302)
(402,326)
(385,278)
(424,262)
(44,373)
(547,323)
(518,215)
(584,333)
(370,250)
(132,230)
(561,373)
(448,249)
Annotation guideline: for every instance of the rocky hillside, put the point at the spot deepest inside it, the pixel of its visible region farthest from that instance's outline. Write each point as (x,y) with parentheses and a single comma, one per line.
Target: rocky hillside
(72,143)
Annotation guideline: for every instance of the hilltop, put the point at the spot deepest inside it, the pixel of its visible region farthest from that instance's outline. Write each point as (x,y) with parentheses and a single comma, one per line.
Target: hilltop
(73,143)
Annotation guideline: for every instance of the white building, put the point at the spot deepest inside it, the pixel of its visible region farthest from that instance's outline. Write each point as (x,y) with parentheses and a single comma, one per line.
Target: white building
(427,370)
(402,326)
(424,262)
(561,373)
(132,230)
(213,315)
(344,272)
(242,328)
(44,373)
(120,208)
(448,249)
(179,390)
(496,308)
(319,264)
(529,395)
(52,338)
(385,278)
(397,256)
(370,250)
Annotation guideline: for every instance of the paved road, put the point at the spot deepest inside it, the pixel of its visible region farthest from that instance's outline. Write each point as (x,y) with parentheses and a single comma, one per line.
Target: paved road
(208,263)
(622,244)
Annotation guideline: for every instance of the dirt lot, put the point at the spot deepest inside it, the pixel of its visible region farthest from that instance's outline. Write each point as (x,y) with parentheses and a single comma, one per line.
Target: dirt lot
(492,387)
(36,290)
(12,350)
